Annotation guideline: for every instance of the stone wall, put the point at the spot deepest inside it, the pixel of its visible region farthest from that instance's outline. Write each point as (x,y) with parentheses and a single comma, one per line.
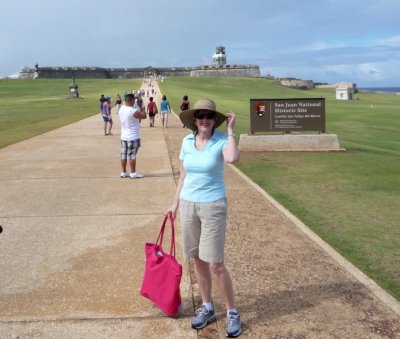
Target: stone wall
(289,142)
(64,73)
(132,73)
(27,74)
(173,71)
(72,72)
(252,71)
(124,73)
(297,83)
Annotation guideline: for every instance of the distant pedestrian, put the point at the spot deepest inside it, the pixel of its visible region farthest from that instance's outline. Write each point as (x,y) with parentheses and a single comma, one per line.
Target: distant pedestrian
(151,111)
(165,109)
(185,105)
(139,103)
(106,115)
(102,99)
(130,136)
(118,102)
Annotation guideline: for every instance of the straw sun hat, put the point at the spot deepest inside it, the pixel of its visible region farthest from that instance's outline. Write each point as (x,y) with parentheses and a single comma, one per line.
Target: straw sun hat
(187,117)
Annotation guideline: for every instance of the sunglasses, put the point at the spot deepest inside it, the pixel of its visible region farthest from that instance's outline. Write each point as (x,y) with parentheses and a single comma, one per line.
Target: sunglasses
(208,116)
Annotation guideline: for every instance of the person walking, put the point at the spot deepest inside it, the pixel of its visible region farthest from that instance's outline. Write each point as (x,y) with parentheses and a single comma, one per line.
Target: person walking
(185,105)
(118,102)
(165,109)
(130,136)
(201,199)
(106,114)
(151,111)
(102,100)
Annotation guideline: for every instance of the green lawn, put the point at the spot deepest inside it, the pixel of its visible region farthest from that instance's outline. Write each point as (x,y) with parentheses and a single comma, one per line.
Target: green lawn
(32,107)
(351,199)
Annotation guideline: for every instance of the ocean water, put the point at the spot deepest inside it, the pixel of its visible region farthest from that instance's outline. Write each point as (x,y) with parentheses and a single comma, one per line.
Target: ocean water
(395,90)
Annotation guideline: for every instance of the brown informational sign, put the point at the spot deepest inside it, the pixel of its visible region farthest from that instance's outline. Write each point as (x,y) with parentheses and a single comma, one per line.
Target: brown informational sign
(267,115)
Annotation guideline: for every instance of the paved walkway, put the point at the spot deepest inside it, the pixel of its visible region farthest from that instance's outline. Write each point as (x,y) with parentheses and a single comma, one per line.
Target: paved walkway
(71,250)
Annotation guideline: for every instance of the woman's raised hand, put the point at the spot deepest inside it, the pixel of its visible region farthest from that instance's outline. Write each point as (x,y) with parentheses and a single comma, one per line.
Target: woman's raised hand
(230,122)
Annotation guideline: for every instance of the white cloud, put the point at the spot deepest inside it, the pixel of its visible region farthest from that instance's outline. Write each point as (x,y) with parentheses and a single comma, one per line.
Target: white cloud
(390,41)
(369,70)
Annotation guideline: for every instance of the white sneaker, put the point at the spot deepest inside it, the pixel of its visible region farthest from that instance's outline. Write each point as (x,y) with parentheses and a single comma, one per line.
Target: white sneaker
(136,175)
(124,175)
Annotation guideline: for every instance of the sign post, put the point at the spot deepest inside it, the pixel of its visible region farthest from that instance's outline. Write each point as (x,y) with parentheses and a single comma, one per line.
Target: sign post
(287,115)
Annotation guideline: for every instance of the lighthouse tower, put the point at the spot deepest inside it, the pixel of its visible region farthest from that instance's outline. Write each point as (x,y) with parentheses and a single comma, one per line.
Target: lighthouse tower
(219,58)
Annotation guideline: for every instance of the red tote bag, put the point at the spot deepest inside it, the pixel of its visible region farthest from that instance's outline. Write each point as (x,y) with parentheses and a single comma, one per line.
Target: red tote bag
(163,273)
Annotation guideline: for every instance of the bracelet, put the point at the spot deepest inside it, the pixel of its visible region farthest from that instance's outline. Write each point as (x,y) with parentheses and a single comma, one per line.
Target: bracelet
(231,135)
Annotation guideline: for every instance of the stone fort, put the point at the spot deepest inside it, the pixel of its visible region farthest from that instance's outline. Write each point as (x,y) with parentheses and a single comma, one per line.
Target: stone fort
(218,68)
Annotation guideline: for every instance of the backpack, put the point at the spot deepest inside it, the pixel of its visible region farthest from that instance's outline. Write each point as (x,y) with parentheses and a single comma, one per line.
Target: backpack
(151,106)
(184,106)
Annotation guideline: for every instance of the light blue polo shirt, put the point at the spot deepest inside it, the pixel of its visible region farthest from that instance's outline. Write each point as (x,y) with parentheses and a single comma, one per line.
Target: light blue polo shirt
(204,181)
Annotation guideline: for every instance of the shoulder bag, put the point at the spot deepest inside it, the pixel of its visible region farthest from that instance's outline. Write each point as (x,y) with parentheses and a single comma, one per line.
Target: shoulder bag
(163,273)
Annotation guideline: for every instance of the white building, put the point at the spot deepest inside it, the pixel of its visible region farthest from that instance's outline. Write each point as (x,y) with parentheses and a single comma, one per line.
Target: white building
(345,90)
(219,58)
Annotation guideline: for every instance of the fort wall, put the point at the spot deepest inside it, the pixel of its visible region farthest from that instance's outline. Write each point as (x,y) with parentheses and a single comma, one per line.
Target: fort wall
(131,73)
(297,83)
(252,71)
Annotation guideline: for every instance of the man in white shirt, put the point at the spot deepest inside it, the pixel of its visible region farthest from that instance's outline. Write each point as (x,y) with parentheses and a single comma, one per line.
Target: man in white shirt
(130,136)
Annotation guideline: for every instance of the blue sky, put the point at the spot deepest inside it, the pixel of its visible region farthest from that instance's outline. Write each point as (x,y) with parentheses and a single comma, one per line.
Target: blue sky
(320,40)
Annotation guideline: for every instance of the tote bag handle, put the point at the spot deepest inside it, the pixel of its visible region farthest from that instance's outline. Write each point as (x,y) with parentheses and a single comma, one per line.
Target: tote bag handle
(161,234)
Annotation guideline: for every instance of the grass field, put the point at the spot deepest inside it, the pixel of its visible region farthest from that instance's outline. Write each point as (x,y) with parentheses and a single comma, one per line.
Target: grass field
(351,199)
(32,107)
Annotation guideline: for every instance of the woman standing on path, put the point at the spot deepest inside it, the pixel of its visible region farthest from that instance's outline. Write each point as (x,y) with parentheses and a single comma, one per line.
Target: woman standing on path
(118,102)
(201,199)
(165,109)
(106,114)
